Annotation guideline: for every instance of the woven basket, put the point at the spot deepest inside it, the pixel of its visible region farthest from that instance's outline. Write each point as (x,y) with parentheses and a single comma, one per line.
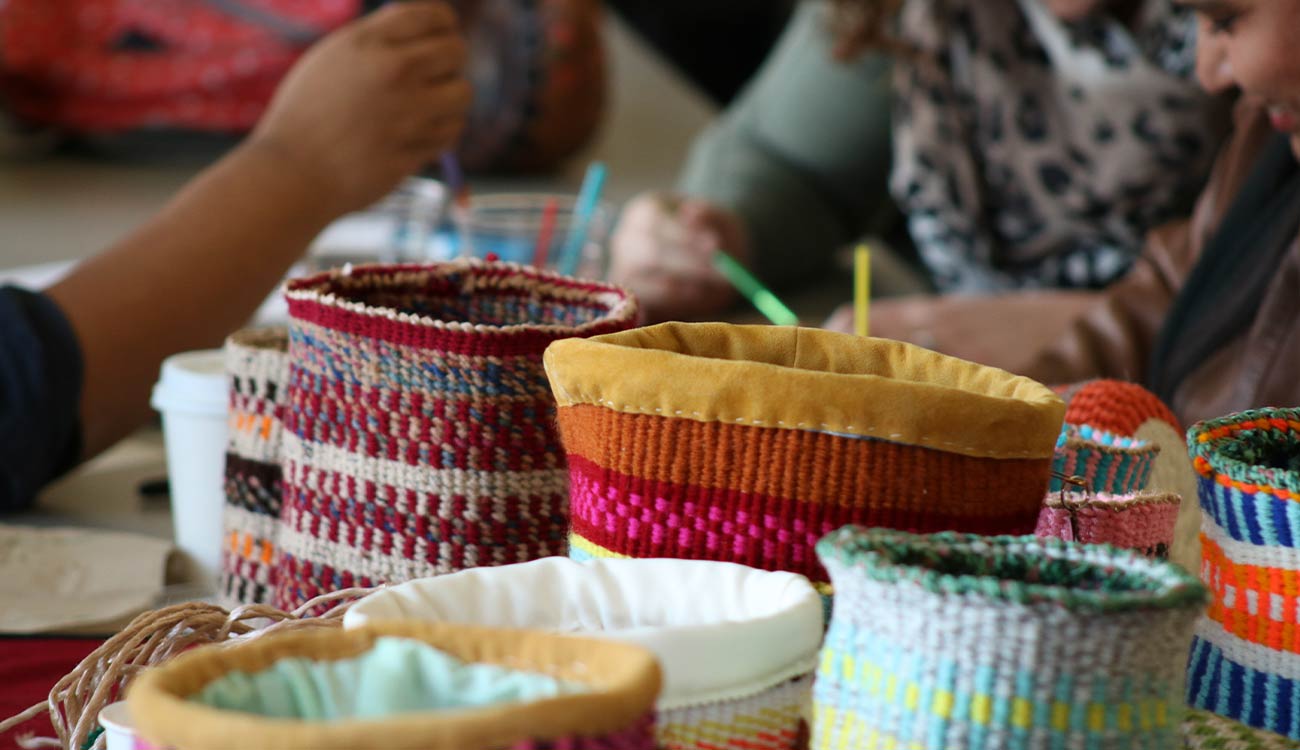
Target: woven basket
(1246,659)
(960,641)
(420,432)
(1106,462)
(257,364)
(1142,521)
(738,646)
(615,712)
(1131,411)
(748,443)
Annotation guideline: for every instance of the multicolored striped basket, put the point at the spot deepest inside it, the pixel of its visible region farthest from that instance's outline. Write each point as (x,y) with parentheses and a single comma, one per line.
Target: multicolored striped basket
(611,709)
(419,427)
(738,646)
(1106,462)
(257,365)
(1142,521)
(982,643)
(1246,658)
(1131,411)
(748,443)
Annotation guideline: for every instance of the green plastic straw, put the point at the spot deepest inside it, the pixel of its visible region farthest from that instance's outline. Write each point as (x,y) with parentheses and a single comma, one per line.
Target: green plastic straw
(757,294)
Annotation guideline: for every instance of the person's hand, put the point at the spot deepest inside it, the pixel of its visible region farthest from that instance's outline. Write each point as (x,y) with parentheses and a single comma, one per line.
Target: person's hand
(663,252)
(371,103)
(912,319)
(1005,330)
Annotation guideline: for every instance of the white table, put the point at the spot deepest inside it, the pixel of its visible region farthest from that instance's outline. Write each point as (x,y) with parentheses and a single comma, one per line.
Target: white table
(66,209)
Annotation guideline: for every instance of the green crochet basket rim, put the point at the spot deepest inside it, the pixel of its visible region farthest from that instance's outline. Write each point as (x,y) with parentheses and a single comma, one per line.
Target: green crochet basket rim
(1234,468)
(1163,585)
(1205,729)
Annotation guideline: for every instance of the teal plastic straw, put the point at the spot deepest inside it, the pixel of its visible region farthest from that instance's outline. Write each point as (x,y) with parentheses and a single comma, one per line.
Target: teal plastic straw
(757,294)
(588,196)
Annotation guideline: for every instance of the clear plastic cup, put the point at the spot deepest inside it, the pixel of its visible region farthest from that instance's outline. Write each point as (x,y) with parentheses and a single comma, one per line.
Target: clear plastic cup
(537,229)
(398,228)
(191,394)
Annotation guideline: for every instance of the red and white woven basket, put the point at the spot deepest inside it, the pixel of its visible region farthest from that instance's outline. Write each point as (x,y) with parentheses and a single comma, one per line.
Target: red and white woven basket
(419,426)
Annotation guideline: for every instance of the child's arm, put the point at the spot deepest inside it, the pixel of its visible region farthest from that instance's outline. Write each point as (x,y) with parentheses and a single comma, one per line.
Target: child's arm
(365,107)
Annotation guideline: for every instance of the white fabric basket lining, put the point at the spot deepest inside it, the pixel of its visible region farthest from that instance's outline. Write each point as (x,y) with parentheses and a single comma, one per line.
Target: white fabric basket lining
(721,631)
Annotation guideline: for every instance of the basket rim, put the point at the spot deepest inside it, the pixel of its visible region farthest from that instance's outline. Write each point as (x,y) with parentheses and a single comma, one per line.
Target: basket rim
(867,551)
(1110,500)
(624,678)
(319,289)
(794,378)
(1205,440)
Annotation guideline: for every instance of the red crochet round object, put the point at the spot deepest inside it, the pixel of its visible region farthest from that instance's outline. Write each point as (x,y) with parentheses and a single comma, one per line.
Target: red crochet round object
(105,66)
(1114,406)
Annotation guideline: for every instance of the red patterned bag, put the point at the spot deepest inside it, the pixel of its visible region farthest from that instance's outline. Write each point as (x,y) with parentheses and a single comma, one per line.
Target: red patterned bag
(106,66)
(102,70)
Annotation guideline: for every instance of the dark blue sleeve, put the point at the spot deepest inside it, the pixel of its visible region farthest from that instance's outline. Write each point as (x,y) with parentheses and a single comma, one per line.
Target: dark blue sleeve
(40,395)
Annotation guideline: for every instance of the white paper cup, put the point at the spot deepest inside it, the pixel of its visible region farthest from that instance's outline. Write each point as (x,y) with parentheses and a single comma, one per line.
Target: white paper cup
(119,734)
(191,394)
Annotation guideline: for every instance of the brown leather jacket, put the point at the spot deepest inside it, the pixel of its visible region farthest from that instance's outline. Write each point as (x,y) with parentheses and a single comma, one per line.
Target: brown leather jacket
(1115,336)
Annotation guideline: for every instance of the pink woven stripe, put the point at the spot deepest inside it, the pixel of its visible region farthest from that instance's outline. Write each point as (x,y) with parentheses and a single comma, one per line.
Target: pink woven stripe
(636,517)
(1145,528)
(707,529)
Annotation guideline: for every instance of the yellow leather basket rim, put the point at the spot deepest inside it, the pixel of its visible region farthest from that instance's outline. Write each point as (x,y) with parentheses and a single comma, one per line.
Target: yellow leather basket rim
(809,379)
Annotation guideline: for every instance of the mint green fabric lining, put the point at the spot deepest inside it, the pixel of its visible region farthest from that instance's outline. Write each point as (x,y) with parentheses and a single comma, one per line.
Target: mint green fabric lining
(397,675)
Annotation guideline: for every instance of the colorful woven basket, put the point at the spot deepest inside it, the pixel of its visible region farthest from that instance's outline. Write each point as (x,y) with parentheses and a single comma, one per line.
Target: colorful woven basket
(611,709)
(1106,462)
(738,646)
(1246,658)
(748,443)
(1142,521)
(257,364)
(961,641)
(1131,411)
(420,433)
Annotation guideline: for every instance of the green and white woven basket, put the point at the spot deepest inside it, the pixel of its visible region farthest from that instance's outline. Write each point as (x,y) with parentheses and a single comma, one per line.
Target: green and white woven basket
(950,641)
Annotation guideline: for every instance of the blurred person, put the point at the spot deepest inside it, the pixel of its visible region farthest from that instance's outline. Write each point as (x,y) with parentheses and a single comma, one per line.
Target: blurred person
(1032,144)
(368,105)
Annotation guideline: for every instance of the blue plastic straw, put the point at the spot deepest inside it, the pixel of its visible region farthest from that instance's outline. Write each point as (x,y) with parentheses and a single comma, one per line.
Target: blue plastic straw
(592,185)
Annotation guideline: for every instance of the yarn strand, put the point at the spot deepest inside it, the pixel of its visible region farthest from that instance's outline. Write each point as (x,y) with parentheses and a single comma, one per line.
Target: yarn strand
(153,637)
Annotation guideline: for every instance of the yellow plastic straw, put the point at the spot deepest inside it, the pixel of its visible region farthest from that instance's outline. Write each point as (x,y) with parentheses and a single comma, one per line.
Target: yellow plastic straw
(862,290)
(758,295)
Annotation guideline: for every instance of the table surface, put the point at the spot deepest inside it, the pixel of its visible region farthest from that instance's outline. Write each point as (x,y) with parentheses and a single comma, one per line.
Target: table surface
(65,209)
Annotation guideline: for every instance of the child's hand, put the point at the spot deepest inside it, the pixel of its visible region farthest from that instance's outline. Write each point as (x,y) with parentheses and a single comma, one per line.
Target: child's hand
(663,251)
(371,103)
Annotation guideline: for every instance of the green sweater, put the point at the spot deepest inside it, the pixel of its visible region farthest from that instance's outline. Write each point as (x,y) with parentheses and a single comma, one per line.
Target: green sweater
(803,154)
